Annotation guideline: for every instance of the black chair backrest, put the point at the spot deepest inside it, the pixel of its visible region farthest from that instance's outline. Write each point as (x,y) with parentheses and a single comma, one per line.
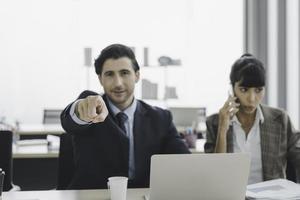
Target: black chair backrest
(291,173)
(6,158)
(51,116)
(66,164)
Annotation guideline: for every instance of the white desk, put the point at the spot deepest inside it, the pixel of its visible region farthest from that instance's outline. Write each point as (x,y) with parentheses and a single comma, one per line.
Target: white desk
(39,129)
(18,154)
(132,194)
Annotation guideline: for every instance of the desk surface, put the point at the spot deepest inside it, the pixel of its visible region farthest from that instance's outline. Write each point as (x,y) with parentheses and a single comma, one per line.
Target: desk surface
(34,151)
(132,194)
(48,154)
(19,153)
(39,129)
(43,129)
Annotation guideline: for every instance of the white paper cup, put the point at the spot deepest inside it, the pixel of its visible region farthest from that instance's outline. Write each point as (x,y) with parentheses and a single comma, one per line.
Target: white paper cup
(118,187)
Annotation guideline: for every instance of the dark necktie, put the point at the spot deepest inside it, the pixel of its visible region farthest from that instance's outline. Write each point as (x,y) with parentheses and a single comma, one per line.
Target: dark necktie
(121,118)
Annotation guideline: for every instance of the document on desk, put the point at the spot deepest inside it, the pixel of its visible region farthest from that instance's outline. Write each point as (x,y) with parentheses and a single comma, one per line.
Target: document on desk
(274,190)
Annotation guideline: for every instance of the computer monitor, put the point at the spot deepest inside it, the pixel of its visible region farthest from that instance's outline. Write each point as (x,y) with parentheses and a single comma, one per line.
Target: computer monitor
(185,116)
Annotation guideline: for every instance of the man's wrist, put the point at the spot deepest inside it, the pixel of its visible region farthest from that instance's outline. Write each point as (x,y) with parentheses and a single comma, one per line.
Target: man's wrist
(74,113)
(76,110)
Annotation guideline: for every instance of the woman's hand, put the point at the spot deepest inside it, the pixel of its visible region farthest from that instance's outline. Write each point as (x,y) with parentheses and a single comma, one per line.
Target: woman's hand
(229,109)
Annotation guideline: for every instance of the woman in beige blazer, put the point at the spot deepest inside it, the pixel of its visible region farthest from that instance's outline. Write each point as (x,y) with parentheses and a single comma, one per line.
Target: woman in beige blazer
(243,124)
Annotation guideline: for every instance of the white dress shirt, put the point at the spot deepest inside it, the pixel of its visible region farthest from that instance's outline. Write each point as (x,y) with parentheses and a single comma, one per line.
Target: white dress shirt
(250,144)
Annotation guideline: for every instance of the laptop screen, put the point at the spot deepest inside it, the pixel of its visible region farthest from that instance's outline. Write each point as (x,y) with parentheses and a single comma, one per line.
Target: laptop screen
(199,176)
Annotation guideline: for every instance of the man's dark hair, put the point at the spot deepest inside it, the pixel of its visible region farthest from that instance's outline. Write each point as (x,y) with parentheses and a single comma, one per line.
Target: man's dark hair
(115,51)
(249,71)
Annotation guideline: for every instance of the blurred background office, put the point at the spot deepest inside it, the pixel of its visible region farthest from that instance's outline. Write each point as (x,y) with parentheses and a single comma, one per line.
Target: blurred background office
(185,49)
(48,47)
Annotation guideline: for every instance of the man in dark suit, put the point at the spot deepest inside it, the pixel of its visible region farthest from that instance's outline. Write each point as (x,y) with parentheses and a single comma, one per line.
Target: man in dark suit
(116,134)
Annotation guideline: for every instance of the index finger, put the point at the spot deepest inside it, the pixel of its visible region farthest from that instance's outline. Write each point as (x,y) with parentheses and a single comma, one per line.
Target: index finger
(93,102)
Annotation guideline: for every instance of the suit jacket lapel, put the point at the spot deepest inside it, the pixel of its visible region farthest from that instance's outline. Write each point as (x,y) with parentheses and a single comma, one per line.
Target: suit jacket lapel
(113,119)
(123,139)
(137,126)
(269,141)
(264,144)
(141,130)
(110,113)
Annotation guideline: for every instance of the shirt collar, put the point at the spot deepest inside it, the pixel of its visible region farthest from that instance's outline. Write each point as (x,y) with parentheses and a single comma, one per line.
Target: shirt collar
(129,111)
(259,116)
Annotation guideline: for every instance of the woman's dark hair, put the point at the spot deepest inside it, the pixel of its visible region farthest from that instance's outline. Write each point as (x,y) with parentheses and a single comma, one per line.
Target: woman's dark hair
(248,71)
(115,51)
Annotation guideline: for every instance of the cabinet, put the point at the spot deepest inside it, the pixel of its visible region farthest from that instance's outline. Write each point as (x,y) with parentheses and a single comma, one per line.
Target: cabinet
(35,168)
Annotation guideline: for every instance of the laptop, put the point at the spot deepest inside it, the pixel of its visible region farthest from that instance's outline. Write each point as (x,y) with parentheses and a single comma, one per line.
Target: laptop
(199,176)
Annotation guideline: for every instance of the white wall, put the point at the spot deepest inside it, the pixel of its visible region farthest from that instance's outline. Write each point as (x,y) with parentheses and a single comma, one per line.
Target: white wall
(291,55)
(293,61)
(41,51)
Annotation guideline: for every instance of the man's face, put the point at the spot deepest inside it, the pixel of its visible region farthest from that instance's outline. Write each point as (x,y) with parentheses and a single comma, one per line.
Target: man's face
(118,79)
(248,97)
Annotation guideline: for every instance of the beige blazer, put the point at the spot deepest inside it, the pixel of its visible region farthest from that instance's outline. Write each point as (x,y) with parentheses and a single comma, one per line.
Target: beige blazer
(279,141)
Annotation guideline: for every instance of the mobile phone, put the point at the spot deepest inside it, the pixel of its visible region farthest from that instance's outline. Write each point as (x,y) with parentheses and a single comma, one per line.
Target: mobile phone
(231,92)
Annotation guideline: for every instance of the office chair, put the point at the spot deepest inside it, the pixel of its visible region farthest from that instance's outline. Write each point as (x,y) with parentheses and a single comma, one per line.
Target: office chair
(51,116)
(6,158)
(66,164)
(291,173)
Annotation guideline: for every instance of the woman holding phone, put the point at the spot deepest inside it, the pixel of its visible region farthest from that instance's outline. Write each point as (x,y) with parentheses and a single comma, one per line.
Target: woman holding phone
(243,124)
